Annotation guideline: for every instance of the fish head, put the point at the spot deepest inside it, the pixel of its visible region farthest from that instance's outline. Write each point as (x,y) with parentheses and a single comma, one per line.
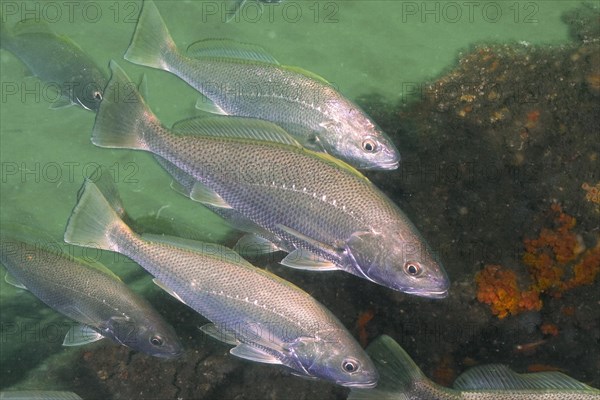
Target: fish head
(353,137)
(150,335)
(88,92)
(399,260)
(334,355)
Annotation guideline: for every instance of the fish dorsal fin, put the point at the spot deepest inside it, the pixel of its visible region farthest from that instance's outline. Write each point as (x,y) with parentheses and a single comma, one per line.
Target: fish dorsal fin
(500,377)
(252,353)
(219,334)
(31,25)
(167,289)
(306,73)
(230,49)
(341,164)
(205,195)
(11,280)
(81,334)
(235,127)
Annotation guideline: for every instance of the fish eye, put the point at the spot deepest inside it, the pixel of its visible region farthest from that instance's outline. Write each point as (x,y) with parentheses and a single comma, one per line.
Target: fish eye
(157,341)
(412,268)
(349,365)
(369,145)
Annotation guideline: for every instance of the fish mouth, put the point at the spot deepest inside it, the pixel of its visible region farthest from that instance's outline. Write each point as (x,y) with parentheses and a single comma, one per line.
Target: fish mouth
(389,165)
(359,385)
(432,295)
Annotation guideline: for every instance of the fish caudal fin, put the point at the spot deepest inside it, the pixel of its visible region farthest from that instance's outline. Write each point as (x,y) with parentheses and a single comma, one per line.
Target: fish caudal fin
(151,44)
(93,220)
(123,115)
(398,373)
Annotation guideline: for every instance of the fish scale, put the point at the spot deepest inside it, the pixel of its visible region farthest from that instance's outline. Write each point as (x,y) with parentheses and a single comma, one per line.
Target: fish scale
(87,295)
(228,292)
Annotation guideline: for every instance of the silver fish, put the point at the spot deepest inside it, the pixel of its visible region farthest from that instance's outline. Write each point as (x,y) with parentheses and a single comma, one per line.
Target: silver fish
(331,215)
(268,319)
(56,60)
(401,379)
(90,294)
(241,79)
(38,395)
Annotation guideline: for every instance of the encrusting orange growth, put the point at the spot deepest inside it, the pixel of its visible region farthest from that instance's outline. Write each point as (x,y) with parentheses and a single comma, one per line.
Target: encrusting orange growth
(549,329)
(497,286)
(548,258)
(361,326)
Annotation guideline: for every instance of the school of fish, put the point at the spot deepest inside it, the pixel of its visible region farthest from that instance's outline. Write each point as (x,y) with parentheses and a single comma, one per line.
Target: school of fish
(276,154)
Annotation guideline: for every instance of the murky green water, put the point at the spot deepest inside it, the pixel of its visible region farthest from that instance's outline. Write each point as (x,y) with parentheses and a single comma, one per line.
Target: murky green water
(362,47)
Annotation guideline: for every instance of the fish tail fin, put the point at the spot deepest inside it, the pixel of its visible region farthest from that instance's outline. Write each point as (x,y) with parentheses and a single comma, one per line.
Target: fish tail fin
(398,373)
(94,221)
(151,44)
(123,115)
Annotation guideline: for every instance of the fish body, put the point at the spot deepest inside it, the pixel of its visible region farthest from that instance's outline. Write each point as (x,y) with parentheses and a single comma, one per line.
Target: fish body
(38,395)
(401,379)
(56,60)
(89,294)
(268,319)
(240,79)
(333,216)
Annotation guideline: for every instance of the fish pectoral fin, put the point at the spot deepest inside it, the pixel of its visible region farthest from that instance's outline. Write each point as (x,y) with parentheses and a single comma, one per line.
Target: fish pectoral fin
(167,289)
(11,280)
(251,244)
(205,195)
(304,259)
(500,377)
(220,126)
(304,376)
(222,336)
(207,105)
(304,238)
(81,334)
(230,49)
(254,354)
(143,86)
(61,102)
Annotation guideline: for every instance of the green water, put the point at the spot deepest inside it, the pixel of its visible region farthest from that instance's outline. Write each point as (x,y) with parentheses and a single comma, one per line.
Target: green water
(362,47)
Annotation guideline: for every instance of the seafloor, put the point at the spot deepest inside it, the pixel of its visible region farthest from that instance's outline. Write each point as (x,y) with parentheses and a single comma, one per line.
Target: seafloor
(489,147)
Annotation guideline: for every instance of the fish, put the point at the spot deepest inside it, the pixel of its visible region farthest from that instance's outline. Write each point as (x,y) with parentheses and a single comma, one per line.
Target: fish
(87,292)
(38,395)
(56,60)
(241,79)
(329,214)
(266,318)
(401,379)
